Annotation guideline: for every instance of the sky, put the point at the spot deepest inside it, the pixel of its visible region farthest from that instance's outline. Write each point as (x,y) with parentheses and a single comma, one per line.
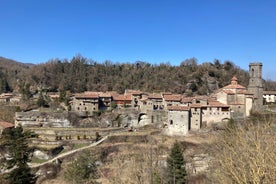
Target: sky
(154,31)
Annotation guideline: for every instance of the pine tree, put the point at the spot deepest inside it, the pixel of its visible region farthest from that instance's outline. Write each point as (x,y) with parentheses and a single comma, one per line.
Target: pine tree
(82,170)
(15,141)
(176,166)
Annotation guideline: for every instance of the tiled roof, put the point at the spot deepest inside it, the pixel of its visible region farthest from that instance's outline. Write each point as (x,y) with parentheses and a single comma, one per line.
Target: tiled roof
(178,108)
(155,96)
(6,124)
(87,94)
(214,103)
(122,98)
(229,92)
(195,106)
(106,95)
(186,100)
(200,97)
(269,92)
(172,98)
(236,86)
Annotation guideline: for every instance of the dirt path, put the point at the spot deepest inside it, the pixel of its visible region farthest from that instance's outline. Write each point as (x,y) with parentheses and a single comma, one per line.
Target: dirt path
(68,153)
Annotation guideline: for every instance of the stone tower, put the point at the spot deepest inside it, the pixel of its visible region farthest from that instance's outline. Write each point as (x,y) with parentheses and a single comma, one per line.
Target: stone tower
(255,86)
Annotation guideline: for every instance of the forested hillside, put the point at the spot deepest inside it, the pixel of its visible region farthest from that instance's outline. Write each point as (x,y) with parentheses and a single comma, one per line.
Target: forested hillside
(80,74)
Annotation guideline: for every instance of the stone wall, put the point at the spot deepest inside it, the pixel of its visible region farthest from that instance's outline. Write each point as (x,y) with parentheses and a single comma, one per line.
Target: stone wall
(42,119)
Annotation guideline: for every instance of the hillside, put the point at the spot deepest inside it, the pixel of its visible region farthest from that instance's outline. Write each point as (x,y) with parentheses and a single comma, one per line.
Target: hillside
(80,74)
(10,72)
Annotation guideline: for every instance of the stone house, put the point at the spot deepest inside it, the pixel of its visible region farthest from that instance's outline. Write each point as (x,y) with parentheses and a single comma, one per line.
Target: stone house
(135,96)
(172,100)
(269,96)
(85,104)
(152,102)
(105,100)
(178,120)
(214,112)
(122,100)
(5,97)
(4,126)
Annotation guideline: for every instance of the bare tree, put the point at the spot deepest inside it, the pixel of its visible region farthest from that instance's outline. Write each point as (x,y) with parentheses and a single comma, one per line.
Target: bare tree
(245,154)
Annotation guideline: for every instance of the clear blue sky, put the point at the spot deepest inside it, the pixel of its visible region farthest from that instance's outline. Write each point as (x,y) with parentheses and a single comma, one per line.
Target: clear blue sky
(154,31)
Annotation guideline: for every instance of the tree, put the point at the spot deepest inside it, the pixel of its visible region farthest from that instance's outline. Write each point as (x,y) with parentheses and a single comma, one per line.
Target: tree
(18,151)
(244,154)
(82,170)
(40,101)
(176,166)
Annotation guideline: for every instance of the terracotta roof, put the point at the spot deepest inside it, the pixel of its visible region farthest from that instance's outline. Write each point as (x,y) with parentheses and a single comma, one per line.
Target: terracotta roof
(229,92)
(6,124)
(143,99)
(102,94)
(178,108)
(155,96)
(242,91)
(234,86)
(122,98)
(200,97)
(87,95)
(186,100)
(214,103)
(195,106)
(269,92)
(128,97)
(172,98)
(234,78)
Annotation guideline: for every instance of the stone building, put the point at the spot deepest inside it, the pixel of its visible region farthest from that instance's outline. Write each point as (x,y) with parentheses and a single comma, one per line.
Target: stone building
(255,86)
(237,97)
(84,104)
(269,96)
(172,100)
(152,102)
(178,120)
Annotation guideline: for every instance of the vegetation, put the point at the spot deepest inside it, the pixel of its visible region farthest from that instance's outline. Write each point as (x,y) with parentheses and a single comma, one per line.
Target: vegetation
(82,170)
(80,74)
(15,141)
(176,172)
(244,154)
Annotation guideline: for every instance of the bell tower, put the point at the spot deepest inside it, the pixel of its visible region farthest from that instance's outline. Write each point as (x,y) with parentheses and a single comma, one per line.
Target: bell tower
(255,86)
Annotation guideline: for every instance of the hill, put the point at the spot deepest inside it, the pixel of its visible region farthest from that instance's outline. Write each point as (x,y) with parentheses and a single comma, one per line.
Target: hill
(80,74)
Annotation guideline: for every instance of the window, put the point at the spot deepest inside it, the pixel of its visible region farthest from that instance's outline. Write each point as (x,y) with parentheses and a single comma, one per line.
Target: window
(171,122)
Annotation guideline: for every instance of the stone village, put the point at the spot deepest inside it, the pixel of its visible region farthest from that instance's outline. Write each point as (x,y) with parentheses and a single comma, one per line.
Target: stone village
(176,113)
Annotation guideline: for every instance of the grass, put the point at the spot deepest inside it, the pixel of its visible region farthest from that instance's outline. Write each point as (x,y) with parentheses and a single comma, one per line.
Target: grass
(38,161)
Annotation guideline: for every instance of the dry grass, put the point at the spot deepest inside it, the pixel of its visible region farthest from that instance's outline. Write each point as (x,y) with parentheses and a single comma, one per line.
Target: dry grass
(127,156)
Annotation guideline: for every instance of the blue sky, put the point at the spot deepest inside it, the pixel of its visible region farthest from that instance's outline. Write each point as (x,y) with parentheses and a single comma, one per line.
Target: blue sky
(154,31)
